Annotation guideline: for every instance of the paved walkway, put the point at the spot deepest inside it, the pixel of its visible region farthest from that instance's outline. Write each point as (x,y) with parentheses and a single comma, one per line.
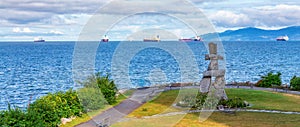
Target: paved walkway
(116,113)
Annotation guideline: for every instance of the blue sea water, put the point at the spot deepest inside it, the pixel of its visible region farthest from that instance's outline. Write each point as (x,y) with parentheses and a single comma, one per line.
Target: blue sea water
(34,69)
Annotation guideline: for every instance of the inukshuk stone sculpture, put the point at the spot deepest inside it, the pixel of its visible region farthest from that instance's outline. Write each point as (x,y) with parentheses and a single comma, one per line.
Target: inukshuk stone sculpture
(213,81)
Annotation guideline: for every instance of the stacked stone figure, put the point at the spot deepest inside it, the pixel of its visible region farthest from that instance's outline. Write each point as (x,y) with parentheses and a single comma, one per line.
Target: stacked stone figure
(213,81)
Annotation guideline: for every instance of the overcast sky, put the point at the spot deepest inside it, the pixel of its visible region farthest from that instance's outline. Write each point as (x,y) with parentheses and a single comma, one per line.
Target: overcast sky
(64,19)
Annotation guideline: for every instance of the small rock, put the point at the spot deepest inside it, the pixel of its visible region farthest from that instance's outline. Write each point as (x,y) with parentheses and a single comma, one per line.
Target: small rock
(221,107)
(66,120)
(246,103)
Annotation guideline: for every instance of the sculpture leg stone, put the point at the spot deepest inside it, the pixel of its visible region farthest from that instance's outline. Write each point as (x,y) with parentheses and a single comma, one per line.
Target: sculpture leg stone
(219,85)
(204,84)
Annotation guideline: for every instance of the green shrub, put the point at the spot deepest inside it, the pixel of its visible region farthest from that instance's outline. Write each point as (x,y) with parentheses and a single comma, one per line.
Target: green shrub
(187,101)
(45,111)
(295,83)
(233,103)
(108,88)
(91,98)
(53,107)
(48,110)
(144,109)
(199,101)
(18,118)
(269,80)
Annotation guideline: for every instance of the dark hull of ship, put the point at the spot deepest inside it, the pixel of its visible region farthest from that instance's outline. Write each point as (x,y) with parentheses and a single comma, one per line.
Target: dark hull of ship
(104,40)
(188,40)
(39,41)
(185,40)
(149,40)
(280,39)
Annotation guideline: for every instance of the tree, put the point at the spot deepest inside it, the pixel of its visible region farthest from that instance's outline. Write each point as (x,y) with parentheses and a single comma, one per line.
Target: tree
(107,87)
(295,83)
(270,79)
(91,98)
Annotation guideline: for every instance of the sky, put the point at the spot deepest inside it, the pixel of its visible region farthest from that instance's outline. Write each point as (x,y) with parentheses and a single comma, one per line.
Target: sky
(63,20)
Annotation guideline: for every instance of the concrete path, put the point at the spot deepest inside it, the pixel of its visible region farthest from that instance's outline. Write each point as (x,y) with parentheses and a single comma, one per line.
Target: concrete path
(116,113)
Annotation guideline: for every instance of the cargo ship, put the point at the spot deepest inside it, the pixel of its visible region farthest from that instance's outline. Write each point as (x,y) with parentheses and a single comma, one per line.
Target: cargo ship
(185,39)
(105,39)
(155,39)
(38,39)
(196,38)
(282,38)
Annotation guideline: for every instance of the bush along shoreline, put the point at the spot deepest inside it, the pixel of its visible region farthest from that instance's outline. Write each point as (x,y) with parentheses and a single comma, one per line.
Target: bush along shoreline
(57,108)
(271,80)
(295,83)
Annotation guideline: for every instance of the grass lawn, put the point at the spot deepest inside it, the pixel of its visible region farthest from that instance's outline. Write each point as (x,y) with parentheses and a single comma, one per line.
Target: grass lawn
(258,99)
(245,119)
(217,119)
(162,103)
(267,100)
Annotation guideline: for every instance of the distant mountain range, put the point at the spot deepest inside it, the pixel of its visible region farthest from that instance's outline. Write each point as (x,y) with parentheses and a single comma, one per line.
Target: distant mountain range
(256,34)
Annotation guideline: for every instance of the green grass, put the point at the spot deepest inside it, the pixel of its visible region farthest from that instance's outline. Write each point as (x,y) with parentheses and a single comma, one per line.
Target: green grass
(245,119)
(258,99)
(217,119)
(162,103)
(267,100)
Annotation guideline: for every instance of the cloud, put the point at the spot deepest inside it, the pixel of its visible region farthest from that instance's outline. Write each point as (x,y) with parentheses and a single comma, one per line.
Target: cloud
(33,11)
(22,17)
(149,24)
(67,17)
(29,11)
(20,30)
(125,7)
(260,16)
(206,1)
(56,32)
(54,6)
(28,32)
(279,15)
(60,20)
(230,19)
